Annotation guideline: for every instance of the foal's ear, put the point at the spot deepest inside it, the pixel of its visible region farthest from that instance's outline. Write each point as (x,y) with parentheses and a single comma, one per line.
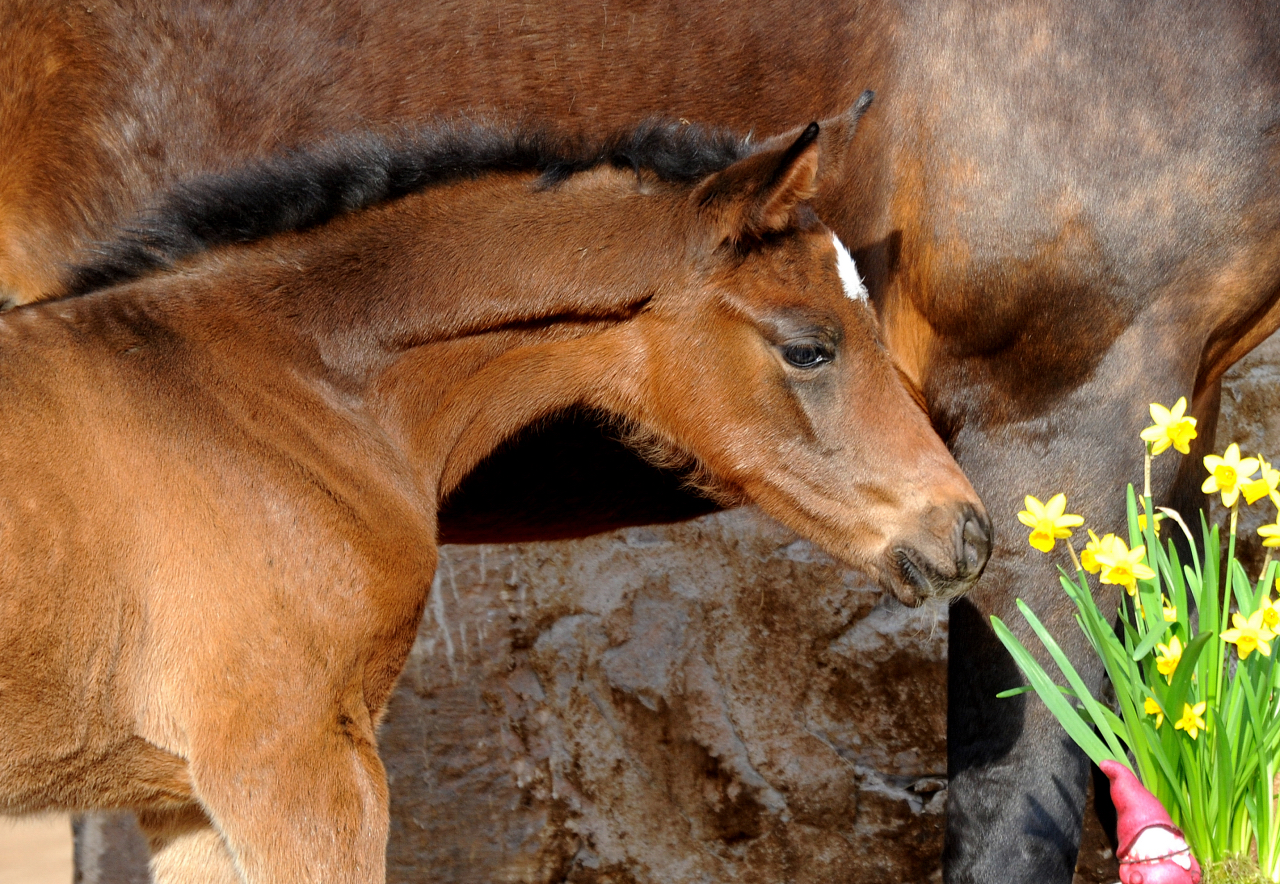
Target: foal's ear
(833,142)
(759,194)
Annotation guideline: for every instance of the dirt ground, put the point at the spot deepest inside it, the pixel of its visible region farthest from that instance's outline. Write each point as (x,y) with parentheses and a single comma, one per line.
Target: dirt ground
(35,850)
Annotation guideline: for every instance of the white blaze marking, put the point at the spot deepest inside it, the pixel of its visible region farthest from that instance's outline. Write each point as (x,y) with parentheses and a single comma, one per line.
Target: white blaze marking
(853,287)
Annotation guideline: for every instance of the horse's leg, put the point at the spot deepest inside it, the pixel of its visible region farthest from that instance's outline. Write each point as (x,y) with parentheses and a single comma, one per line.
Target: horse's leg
(1017,782)
(186,849)
(299,798)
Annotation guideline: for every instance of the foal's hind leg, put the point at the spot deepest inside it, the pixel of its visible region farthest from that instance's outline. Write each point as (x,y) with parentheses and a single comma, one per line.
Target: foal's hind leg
(298,799)
(186,849)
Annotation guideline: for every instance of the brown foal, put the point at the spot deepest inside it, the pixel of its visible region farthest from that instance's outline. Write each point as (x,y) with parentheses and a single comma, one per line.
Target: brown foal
(221,465)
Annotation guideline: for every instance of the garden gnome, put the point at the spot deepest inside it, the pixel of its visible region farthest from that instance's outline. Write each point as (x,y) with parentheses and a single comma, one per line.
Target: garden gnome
(1152,849)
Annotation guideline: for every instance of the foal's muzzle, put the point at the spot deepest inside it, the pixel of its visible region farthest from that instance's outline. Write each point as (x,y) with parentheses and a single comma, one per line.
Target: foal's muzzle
(937,570)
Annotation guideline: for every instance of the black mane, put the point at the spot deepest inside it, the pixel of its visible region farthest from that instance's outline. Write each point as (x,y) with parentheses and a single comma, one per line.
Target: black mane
(305,188)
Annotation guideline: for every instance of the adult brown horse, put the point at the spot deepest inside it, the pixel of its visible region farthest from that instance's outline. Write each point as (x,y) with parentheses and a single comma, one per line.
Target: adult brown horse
(219,481)
(1064,211)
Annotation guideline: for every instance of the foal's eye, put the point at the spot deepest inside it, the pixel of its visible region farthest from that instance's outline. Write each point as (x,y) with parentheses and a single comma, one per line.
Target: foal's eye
(806,354)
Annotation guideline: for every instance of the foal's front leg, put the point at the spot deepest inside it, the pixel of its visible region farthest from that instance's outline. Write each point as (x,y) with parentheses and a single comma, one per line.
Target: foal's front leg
(298,796)
(186,848)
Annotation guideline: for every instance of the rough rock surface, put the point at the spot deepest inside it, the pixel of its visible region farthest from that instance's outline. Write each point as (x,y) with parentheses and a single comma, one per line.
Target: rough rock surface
(1251,417)
(712,701)
(109,849)
(689,703)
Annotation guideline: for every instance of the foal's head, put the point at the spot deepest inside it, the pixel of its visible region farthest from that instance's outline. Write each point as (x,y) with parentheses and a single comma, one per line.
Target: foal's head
(762,365)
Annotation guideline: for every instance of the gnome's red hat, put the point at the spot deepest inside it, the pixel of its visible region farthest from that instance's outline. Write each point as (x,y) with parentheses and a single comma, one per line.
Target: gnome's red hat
(1138,811)
(1136,808)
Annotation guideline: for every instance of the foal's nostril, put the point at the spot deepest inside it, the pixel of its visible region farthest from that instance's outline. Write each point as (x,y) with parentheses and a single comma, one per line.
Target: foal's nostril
(975,544)
(942,573)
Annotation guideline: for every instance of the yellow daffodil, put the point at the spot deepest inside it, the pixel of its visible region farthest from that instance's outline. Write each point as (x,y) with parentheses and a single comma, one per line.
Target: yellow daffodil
(1151,707)
(1142,522)
(1226,473)
(1170,428)
(1048,521)
(1170,612)
(1089,557)
(1270,534)
(1270,612)
(1122,566)
(1249,635)
(1264,486)
(1167,657)
(1191,720)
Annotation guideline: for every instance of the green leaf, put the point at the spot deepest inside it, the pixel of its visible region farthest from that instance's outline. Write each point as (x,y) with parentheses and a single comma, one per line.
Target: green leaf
(1207,602)
(1027,689)
(1015,692)
(1048,692)
(1169,771)
(1149,642)
(1223,780)
(1131,514)
(1176,579)
(1182,675)
(1209,575)
(1243,588)
(1073,678)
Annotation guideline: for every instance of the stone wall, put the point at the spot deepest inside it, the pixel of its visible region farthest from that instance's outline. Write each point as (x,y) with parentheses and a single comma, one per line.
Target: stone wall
(712,701)
(1251,417)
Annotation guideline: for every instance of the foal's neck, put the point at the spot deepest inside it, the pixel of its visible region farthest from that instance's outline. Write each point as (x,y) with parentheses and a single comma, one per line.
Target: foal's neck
(495,256)
(461,314)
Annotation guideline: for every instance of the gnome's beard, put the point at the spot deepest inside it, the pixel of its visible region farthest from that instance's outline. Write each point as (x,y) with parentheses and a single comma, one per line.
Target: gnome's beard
(1156,843)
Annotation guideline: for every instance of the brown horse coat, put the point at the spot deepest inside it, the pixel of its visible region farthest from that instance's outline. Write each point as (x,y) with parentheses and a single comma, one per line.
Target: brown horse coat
(219,480)
(1064,211)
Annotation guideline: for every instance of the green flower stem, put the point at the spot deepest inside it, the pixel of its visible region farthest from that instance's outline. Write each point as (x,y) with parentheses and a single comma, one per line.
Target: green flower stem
(1074,561)
(1227,578)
